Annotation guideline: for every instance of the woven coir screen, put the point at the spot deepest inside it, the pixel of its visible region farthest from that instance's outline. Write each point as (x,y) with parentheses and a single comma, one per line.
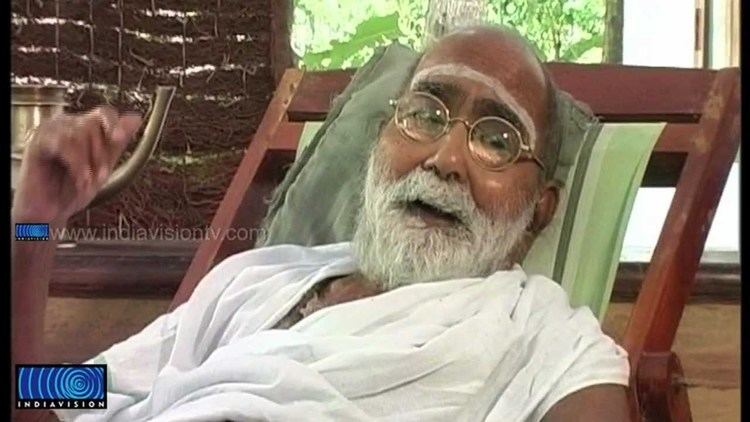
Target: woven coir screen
(116,52)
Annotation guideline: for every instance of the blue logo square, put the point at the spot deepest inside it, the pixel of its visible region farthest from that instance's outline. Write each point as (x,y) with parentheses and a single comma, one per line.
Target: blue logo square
(32,231)
(61,386)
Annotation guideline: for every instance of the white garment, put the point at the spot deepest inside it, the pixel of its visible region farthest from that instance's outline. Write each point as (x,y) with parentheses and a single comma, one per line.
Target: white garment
(502,348)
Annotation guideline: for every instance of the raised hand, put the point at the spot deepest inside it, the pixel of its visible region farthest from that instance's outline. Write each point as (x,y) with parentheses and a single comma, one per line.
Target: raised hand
(67,161)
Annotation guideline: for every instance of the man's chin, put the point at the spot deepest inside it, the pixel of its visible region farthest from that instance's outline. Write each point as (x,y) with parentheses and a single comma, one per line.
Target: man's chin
(415,255)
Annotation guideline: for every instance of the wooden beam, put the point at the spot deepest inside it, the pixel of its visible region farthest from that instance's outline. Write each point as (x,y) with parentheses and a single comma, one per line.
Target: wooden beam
(281,53)
(239,193)
(669,280)
(287,137)
(643,94)
(154,269)
(143,269)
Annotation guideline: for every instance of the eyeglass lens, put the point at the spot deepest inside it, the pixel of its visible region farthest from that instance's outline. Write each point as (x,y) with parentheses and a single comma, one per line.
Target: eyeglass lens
(492,141)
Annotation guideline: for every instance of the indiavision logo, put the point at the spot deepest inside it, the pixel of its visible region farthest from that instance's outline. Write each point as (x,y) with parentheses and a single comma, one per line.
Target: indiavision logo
(61,386)
(32,231)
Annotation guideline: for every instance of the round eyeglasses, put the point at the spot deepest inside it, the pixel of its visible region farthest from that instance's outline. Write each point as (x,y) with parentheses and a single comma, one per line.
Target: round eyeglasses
(493,142)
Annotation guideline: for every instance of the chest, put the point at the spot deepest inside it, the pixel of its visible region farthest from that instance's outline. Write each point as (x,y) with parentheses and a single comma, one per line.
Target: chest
(327,293)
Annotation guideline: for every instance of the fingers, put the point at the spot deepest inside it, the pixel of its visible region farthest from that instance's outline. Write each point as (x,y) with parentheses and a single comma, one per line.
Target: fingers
(98,158)
(107,116)
(69,149)
(123,132)
(88,145)
(128,125)
(69,158)
(116,133)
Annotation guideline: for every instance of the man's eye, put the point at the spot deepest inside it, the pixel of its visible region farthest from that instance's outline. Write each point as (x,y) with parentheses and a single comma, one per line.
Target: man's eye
(495,140)
(426,116)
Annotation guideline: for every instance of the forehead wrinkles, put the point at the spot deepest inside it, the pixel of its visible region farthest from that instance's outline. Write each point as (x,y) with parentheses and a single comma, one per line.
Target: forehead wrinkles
(497,87)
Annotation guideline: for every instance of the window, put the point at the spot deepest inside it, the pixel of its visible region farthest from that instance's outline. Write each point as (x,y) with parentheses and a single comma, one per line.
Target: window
(650,210)
(670,29)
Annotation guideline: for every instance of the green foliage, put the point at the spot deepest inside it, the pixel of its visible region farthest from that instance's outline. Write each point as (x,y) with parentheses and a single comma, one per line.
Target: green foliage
(562,30)
(370,33)
(330,34)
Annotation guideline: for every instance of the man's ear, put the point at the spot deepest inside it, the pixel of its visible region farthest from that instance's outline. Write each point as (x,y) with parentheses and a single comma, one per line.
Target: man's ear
(545,207)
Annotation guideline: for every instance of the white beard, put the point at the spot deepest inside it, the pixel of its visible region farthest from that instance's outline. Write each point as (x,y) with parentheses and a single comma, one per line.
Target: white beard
(394,247)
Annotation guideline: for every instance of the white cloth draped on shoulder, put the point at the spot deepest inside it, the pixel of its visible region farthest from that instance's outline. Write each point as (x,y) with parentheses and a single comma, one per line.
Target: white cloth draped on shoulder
(502,348)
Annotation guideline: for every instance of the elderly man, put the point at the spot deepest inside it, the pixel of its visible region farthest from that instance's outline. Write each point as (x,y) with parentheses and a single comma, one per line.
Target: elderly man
(425,315)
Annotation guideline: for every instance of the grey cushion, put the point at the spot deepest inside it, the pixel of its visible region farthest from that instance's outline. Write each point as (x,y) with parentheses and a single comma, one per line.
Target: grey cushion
(318,200)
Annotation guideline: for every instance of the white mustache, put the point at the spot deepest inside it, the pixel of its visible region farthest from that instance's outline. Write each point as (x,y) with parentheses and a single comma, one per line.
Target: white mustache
(425,186)
(393,251)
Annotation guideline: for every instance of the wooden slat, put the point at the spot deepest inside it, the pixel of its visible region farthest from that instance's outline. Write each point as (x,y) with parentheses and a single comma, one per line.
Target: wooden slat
(677,137)
(253,205)
(670,276)
(238,191)
(636,93)
(714,283)
(669,155)
(150,269)
(663,169)
(287,137)
(642,93)
(154,269)
(316,93)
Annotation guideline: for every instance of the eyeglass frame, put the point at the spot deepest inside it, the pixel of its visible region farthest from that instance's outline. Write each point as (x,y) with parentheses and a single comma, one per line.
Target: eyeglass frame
(524,147)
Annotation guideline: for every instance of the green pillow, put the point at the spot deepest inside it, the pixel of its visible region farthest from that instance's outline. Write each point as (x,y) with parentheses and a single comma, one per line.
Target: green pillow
(318,200)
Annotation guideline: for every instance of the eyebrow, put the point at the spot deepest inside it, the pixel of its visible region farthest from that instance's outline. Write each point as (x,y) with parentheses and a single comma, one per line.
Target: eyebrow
(482,107)
(462,70)
(446,92)
(487,107)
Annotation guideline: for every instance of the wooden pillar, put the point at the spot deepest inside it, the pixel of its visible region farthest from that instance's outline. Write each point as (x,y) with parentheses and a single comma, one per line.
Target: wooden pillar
(282,12)
(613,26)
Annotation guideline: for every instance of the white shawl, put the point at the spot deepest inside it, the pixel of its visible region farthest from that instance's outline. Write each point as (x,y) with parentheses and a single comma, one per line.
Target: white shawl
(502,348)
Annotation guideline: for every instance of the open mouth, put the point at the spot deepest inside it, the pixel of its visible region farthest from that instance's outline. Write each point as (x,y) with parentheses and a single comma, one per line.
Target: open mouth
(431,214)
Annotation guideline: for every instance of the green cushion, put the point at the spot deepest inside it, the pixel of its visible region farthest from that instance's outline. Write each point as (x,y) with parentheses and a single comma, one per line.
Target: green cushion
(581,247)
(318,200)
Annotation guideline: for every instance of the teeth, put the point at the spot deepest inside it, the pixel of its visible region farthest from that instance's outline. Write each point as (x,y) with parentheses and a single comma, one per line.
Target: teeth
(439,208)
(436,209)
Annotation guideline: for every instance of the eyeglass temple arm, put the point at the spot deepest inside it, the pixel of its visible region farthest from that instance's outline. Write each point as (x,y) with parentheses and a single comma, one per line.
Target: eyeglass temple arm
(528,150)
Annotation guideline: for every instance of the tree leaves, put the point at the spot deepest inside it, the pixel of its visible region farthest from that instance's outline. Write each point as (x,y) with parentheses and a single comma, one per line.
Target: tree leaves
(326,37)
(581,47)
(370,33)
(559,29)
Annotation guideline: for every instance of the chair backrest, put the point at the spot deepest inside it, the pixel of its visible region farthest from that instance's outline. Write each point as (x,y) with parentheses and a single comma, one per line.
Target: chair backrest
(599,169)
(693,153)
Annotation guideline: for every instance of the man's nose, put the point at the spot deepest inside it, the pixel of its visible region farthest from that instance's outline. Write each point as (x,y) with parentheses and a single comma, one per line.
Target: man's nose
(449,159)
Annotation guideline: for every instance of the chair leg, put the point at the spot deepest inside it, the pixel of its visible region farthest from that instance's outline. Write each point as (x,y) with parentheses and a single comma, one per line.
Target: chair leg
(661,389)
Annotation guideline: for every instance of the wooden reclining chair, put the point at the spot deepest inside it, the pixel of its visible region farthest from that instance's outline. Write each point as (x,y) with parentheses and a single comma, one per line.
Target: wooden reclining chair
(694,153)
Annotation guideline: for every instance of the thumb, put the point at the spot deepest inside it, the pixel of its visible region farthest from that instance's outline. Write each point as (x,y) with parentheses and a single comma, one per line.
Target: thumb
(127,125)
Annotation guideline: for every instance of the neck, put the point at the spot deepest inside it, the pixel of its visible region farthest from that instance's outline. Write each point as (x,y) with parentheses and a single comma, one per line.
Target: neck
(351,287)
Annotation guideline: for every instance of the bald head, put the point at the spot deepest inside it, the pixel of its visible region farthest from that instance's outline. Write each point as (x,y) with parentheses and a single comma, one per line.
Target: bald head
(510,70)
(473,45)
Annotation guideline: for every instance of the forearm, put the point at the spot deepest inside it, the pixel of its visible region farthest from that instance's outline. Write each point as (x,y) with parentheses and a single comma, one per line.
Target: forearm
(603,402)
(31,270)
